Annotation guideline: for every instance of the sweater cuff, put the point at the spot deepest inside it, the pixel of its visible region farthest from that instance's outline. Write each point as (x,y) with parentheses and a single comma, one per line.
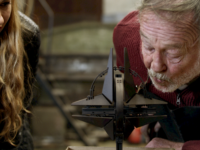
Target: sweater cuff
(191,145)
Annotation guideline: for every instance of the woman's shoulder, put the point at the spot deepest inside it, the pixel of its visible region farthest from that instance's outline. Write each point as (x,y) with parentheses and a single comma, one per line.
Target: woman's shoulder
(28,23)
(30,31)
(31,39)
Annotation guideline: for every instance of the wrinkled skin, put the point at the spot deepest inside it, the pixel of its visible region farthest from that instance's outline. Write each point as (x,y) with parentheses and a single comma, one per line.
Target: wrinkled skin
(170,50)
(163,143)
(145,131)
(171,54)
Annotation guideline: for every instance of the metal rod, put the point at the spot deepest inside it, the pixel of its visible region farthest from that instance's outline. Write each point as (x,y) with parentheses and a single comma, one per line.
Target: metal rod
(119,143)
(67,116)
(50,23)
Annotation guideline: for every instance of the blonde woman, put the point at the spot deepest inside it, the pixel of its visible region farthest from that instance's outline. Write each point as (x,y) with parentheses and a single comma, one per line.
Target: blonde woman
(19,44)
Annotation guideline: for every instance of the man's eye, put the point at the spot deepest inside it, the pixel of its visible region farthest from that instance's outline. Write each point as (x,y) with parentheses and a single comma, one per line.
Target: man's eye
(175,58)
(150,49)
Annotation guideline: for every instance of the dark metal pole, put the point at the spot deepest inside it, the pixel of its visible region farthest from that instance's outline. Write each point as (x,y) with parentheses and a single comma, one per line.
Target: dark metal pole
(119,143)
(50,23)
(67,116)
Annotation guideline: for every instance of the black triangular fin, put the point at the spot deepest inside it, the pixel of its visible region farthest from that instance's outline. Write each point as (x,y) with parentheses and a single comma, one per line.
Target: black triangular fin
(139,99)
(129,86)
(110,130)
(108,81)
(97,121)
(98,100)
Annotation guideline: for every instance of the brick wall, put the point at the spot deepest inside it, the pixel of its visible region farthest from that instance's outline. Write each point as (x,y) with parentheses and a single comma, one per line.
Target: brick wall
(68,12)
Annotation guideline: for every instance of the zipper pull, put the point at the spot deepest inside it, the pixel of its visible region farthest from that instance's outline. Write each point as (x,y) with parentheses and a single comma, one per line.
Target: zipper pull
(178,100)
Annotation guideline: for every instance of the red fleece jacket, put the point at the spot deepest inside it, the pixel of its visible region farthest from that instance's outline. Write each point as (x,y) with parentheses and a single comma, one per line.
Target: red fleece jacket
(126,34)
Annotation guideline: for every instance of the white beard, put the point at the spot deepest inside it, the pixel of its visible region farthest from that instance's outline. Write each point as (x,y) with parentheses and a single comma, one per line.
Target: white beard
(174,83)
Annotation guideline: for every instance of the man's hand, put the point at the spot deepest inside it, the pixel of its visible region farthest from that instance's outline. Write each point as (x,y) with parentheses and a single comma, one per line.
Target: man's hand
(163,143)
(146,131)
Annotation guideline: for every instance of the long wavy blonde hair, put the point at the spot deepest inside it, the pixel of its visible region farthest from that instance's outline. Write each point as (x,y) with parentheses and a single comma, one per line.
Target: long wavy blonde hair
(12,91)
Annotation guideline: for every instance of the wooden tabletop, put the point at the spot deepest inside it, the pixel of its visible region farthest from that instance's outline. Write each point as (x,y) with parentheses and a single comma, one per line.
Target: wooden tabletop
(113,148)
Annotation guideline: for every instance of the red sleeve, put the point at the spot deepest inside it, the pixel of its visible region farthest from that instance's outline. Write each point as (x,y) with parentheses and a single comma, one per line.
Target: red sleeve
(126,34)
(191,145)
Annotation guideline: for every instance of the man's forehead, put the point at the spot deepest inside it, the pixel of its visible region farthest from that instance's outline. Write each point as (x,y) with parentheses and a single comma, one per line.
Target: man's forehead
(182,31)
(167,43)
(167,16)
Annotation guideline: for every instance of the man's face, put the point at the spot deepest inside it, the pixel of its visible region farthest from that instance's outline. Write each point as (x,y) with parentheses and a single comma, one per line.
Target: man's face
(170,51)
(5,11)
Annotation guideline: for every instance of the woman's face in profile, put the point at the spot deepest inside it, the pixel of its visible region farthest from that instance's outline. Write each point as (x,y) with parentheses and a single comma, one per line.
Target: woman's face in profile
(5,11)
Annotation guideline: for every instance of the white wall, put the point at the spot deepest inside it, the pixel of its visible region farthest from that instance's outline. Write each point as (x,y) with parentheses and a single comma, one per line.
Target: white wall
(115,10)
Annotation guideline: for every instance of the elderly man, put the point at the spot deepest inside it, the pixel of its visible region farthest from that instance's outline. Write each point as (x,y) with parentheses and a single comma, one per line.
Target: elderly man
(163,44)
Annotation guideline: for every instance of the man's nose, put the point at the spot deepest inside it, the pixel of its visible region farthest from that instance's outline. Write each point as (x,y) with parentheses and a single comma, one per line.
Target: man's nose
(158,64)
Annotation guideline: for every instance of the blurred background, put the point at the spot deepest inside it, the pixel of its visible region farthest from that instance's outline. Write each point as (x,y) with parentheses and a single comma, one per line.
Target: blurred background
(76,37)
